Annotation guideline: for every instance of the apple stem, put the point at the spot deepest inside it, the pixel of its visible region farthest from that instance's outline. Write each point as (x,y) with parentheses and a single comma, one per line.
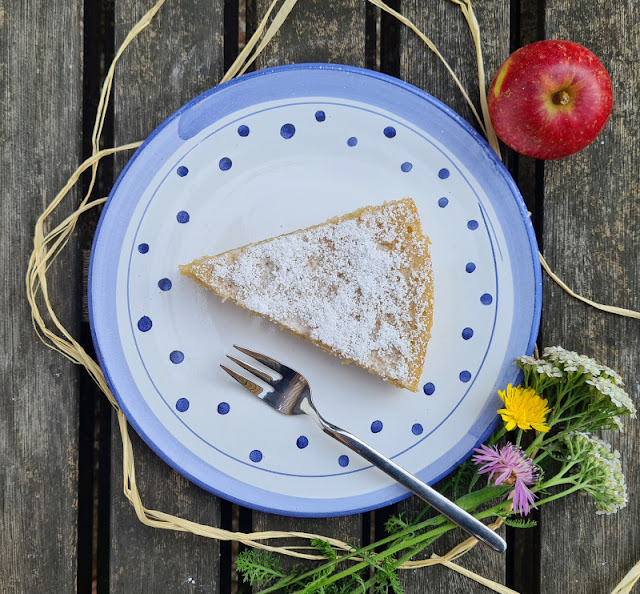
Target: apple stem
(561,98)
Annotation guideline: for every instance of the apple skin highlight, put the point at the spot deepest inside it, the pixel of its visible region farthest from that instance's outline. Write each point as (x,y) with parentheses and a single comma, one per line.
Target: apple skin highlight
(550,99)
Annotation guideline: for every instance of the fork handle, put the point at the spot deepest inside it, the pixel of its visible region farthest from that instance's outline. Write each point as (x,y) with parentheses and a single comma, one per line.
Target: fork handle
(446,507)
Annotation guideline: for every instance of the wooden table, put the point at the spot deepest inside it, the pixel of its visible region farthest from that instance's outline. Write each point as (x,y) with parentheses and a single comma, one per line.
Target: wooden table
(65,522)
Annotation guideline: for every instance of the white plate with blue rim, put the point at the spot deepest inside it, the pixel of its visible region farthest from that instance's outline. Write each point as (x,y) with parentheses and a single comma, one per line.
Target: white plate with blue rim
(269,153)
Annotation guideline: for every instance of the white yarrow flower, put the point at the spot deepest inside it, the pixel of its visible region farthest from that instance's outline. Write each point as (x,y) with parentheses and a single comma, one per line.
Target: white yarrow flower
(613,392)
(601,467)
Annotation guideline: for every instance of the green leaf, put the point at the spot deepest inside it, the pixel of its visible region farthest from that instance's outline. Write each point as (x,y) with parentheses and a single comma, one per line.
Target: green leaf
(470,501)
(325,548)
(258,567)
(520,523)
(396,524)
(360,583)
(392,575)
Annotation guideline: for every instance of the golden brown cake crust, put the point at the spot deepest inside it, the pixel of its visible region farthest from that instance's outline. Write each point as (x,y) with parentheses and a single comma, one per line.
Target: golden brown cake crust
(359,286)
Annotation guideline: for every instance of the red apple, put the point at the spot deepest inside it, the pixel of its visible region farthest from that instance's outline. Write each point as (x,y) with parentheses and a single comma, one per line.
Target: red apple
(550,99)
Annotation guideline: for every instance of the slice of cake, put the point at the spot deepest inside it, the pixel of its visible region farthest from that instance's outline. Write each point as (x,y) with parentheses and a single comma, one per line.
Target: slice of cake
(359,286)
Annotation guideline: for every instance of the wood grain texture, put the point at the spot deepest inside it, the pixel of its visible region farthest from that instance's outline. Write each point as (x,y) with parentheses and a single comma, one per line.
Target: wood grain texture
(176,58)
(40,146)
(316,31)
(444,24)
(148,560)
(592,240)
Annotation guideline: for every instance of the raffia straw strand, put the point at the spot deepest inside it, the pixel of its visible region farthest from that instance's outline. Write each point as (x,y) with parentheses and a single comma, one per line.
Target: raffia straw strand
(48,246)
(405,21)
(495,586)
(628,581)
(448,561)
(458,551)
(474,27)
(105,95)
(628,313)
(280,17)
(243,56)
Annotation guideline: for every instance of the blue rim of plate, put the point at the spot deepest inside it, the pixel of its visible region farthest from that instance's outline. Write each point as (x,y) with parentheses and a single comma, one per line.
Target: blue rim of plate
(200,117)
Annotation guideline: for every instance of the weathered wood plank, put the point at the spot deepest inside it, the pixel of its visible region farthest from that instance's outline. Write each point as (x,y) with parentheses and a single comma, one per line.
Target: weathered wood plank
(179,56)
(40,146)
(316,31)
(592,239)
(444,24)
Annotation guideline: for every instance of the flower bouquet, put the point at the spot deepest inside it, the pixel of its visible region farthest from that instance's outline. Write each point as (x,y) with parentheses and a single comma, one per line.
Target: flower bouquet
(544,450)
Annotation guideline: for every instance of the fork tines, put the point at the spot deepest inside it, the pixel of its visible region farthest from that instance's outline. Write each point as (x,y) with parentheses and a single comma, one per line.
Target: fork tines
(266,361)
(254,388)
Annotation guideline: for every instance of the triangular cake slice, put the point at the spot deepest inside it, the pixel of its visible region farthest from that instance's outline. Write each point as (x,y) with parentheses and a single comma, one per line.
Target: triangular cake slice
(359,286)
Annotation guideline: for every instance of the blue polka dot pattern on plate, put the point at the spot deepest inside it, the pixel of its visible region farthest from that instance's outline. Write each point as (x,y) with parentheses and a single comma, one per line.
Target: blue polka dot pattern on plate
(182,405)
(429,388)
(472,224)
(352,141)
(255,456)
(417,429)
(320,116)
(287,131)
(176,357)
(389,131)
(165,284)
(376,427)
(406,166)
(486,299)
(470,267)
(225,164)
(144,324)
(343,461)
(443,202)
(465,376)
(443,173)
(467,333)
(182,171)
(183,216)
(143,248)
(302,442)
(243,130)
(223,408)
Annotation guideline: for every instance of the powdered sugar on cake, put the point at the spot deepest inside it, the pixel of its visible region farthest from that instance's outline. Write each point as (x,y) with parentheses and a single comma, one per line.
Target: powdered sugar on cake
(349,285)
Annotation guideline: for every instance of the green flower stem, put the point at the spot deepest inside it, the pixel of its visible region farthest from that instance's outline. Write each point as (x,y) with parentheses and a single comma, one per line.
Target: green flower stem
(411,543)
(490,513)
(389,539)
(423,539)
(497,436)
(576,487)
(555,482)
(579,415)
(468,502)
(493,512)
(519,437)
(535,444)
(432,534)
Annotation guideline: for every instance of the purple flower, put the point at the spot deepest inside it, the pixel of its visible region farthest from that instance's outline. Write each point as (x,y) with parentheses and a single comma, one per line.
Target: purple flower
(510,467)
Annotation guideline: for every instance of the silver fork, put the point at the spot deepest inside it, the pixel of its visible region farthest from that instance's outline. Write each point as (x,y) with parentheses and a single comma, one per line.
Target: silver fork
(291,395)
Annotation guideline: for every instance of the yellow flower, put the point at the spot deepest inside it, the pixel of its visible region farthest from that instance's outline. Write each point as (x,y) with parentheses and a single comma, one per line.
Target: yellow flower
(523,408)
